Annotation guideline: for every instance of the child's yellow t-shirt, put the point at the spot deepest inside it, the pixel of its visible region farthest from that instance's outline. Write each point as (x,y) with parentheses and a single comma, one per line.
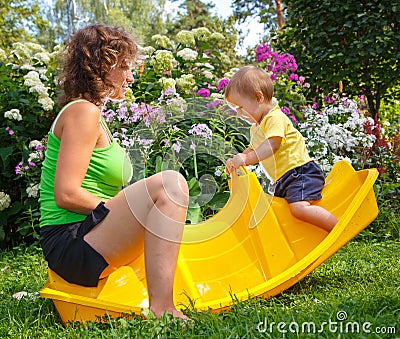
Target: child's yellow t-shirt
(292,151)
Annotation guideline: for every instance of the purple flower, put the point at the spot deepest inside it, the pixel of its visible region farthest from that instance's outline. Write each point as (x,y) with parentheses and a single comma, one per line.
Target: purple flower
(214,103)
(201,130)
(176,146)
(285,110)
(169,91)
(18,168)
(328,99)
(277,63)
(222,84)
(293,76)
(204,92)
(39,148)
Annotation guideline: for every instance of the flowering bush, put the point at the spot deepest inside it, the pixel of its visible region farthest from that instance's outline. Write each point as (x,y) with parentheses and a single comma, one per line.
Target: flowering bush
(192,136)
(192,64)
(339,130)
(173,117)
(289,87)
(26,104)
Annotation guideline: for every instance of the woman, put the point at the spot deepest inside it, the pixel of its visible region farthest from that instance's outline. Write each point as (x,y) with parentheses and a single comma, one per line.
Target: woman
(90,225)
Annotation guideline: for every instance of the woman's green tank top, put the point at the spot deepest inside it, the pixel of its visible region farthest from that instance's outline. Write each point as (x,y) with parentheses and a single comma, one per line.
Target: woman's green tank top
(109,170)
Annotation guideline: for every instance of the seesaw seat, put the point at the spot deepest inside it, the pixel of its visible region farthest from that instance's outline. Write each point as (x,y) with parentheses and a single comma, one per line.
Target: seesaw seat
(251,247)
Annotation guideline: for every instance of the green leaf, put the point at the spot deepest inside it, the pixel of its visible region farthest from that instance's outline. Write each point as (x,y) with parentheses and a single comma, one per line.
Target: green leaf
(194,187)
(194,214)
(5,152)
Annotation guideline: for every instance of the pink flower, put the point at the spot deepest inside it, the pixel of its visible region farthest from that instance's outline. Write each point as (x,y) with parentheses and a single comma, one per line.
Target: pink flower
(176,147)
(204,92)
(285,110)
(222,84)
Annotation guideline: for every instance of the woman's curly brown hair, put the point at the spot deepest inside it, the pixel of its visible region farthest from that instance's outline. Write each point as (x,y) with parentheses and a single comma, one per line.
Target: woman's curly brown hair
(89,55)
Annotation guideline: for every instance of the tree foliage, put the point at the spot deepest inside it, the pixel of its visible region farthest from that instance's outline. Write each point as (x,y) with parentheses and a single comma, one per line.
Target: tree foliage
(143,16)
(356,42)
(270,12)
(20,20)
(195,14)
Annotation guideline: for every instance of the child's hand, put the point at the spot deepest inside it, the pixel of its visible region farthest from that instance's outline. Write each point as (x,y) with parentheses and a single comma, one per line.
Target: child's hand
(232,164)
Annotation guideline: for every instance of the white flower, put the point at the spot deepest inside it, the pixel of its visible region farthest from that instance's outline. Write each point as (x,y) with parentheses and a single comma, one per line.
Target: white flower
(336,133)
(217,96)
(33,190)
(167,83)
(163,61)
(148,50)
(217,36)
(39,88)
(3,55)
(218,172)
(187,54)
(13,114)
(208,75)
(46,102)
(32,79)
(225,59)
(5,201)
(43,57)
(162,40)
(185,38)
(34,143)
(202,33)
(35,156)
(206,65)
(28,67)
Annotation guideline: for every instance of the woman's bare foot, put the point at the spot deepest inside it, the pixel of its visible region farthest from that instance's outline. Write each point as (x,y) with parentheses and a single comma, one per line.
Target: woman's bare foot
(173,311)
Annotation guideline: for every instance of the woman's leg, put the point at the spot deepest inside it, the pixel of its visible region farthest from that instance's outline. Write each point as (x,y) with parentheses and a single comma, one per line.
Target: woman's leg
(151,212)
(313,214)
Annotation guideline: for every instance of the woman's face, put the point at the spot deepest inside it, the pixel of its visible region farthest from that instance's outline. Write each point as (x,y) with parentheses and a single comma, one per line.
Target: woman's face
(120,77)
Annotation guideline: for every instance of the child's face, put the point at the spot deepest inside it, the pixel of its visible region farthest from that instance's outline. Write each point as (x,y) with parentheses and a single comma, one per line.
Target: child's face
(251,110)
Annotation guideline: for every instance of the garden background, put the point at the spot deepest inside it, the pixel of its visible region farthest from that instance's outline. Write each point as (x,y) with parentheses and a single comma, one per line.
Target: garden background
(335,69)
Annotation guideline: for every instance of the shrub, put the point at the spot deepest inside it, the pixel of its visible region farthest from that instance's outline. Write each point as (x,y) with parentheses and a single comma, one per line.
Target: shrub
(27,108)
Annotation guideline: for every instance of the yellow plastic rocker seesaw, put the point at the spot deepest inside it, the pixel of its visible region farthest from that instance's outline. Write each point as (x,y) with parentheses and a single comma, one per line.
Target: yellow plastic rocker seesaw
(252,247)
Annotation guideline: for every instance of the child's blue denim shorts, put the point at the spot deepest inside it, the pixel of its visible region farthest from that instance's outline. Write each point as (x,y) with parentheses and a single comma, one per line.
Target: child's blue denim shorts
(303,183)
(69,255)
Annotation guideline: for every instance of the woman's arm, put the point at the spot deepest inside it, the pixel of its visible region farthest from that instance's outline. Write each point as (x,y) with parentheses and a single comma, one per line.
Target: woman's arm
(78,129)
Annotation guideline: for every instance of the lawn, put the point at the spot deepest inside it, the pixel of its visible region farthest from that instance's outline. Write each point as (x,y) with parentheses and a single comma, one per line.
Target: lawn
(354,294)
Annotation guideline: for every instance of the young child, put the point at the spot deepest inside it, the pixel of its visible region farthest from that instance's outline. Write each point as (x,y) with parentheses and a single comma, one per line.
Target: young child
(278,146)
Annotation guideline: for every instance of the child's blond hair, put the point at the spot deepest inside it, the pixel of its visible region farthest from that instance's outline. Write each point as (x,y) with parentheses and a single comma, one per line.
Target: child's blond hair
(248,80)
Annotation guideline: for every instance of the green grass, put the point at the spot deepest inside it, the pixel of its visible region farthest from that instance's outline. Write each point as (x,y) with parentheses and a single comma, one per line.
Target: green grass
(362,279)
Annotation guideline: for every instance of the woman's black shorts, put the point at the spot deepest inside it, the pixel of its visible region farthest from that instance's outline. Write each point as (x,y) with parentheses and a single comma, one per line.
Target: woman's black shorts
(69,255)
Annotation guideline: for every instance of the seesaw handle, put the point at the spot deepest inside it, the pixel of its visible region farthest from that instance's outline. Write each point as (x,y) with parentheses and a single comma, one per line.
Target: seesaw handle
(243,171)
